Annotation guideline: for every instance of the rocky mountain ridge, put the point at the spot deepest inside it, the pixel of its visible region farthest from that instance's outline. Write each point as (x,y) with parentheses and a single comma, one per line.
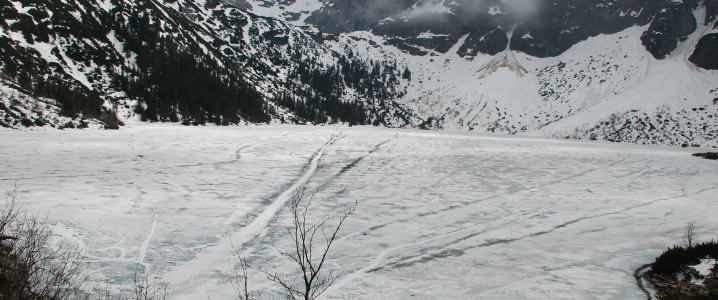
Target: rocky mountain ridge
(194,62)
(574,69)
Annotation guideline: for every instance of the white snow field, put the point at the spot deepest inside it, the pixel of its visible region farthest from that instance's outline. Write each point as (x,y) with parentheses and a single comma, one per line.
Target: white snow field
(441,215)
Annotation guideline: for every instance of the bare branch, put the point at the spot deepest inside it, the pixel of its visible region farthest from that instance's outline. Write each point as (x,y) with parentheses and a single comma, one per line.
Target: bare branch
(689,233)
(31,266)
(241,281)
(314,280)
(146,288)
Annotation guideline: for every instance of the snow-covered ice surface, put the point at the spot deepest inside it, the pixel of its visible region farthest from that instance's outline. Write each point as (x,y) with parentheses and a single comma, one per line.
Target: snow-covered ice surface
(441,215)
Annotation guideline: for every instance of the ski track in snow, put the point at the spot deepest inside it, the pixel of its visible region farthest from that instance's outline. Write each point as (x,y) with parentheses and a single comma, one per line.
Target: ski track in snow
(197,272)
(238,154)
(554,218)
(441,246)
(448,239)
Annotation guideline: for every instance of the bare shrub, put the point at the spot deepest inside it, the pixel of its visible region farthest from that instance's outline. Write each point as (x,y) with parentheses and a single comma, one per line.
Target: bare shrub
(314,278)
(144,287)
(30,266)
(241,279)
(689,234)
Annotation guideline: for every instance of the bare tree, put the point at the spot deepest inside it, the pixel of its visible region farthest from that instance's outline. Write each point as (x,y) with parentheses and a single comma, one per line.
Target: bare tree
(34,265)
(241,280)
(102,292)
(142,286)
(314,279)
(146,288)
(31,267)
(689,234)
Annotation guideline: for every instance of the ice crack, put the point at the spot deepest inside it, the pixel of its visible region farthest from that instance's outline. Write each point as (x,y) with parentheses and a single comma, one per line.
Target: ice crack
(144,246)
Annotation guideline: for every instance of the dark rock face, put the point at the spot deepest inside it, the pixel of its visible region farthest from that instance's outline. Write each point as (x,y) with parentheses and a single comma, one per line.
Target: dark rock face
(672,25)
(491,43)
(445,31)
(561,24)
(291,16)
(487,31)
(241,4)
(545,28)
(549,29)
(278,37)
(401,45)
(706,53)
(711,11)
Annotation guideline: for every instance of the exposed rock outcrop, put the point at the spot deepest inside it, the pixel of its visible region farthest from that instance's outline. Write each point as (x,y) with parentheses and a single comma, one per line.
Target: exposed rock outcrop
(706,53)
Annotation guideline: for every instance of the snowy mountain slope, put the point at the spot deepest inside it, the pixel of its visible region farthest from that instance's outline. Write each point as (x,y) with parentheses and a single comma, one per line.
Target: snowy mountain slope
(600,70)
(44,54)
(674,104)
(95,57)
(553,26)
(583,93)
(263,46)
(291,11)
(192,61)
(543,28)
(304,80)
(20,109)
(586,79)
(669,100)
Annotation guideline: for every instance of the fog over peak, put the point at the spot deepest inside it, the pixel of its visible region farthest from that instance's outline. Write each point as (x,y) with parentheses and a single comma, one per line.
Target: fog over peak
(427,7)
(520,9)
(516,9)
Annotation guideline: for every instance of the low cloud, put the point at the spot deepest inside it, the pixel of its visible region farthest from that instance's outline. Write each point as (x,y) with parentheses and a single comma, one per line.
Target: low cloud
(520,9)
(365,13)
(428,7)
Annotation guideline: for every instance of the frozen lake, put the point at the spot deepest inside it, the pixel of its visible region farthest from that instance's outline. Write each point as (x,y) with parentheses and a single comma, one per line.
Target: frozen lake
(441,215)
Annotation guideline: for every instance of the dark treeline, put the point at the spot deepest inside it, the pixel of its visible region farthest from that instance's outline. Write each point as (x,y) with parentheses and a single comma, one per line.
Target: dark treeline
(36,76)
(317,109)
(175,76)
(319,95)
(674,259)
(172,80)
(171,76)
